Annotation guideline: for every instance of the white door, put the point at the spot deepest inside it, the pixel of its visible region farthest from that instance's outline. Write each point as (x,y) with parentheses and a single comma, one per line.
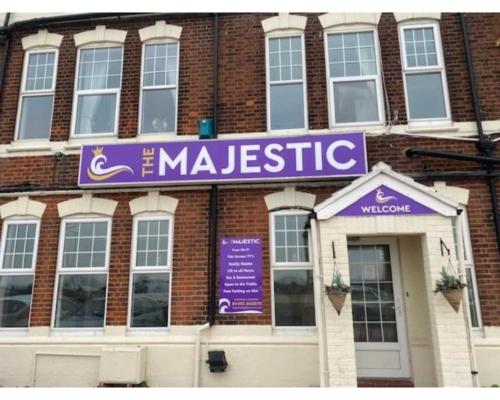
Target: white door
(378,310)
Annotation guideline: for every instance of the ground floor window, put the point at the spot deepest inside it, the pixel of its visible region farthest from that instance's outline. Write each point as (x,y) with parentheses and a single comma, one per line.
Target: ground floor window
(292,274)
(151,272)
(17,268)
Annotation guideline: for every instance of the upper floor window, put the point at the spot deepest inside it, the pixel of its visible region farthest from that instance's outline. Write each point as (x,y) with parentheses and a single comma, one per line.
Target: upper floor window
(424,73)
(18,251)
(354,80)
(97,94)
(82,273)
(291,269)
(286,83)
(37,94)
(159,88)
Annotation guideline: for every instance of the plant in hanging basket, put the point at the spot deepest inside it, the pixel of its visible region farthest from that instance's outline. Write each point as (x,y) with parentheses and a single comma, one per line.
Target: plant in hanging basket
(451,288)
(337,292)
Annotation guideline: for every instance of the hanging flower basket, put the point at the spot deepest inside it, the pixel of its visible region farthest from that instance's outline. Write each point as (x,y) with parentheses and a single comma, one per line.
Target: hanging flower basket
(336,297)
(451,287)
(337,292)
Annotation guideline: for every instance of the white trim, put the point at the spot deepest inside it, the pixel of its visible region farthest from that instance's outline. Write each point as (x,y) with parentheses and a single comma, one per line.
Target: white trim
(303,81)
(80,93)
(333,20)
(145,43)
(160,30)
(41,39)
(454,193)
(152,202)
(290,198)
(148,216)
(399,303)
(382,174)
(23,92)
(284,22)
(86,204)
(279,266)
(20,271)
(440,68)
(80,271)
(375,78)
(23,206)
(99,34)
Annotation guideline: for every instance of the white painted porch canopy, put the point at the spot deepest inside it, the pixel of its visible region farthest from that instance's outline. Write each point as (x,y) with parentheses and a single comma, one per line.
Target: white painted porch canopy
(383,175)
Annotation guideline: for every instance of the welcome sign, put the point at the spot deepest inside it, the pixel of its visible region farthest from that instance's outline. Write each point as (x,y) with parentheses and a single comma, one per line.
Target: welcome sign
(333,155)
(384,201)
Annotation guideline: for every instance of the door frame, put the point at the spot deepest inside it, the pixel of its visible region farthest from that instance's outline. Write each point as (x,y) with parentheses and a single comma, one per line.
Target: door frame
(401,325)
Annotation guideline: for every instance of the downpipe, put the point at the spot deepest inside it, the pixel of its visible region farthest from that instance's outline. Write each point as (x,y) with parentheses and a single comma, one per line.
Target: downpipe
(197,353)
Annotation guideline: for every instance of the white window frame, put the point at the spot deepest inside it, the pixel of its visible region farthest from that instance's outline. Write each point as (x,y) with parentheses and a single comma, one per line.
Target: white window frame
(143,88)
(286,266)
(77,93)
(80,271)
(441,68)
(286,34)
(32,93)
(469,265)
(20,271)
(377,78)
(133,269)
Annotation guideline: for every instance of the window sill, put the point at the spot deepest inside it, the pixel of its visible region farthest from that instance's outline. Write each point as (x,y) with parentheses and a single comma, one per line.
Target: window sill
(77,331)
(14,332)
(148,331)
(432,129)
(74,142)
(310,331)
(34,145)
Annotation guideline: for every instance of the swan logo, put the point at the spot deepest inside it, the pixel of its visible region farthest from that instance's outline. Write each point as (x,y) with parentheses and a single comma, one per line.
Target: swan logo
(381,198)
(97,170)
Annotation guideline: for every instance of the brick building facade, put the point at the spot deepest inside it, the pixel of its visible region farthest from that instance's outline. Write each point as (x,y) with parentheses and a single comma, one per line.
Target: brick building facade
(42,174)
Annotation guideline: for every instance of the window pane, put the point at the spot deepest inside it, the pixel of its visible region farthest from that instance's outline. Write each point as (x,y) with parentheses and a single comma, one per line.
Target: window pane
(283,54)
(287,106)
(40,71)
(291,238)
(36,117)
(100,68)
(472,299)
(158,110)
(420,42)
(355,102)
(352,54)
(15,300)
(81,301)
(96,114)
(152,243)
(19,246)
(160,64)
(150,300)
(425,95)
(294,298)
(84,247)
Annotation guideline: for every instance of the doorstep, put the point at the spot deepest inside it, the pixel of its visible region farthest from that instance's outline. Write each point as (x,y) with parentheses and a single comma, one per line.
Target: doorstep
(385,382)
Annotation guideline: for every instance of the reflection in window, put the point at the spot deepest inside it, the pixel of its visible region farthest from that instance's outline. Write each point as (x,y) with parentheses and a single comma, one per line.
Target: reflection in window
(293,293)
(82,274)
(151,272)
(17,265)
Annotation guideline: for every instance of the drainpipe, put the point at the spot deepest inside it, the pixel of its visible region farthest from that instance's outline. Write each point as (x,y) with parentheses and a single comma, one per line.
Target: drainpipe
(6,44)
(197,353)
(318,304)
(466,311)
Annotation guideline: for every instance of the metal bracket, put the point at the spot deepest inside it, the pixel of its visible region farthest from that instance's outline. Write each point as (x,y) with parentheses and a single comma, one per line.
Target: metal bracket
(443,244)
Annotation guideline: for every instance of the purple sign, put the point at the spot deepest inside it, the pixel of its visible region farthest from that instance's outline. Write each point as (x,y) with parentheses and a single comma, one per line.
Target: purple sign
(223,160)
(384,201)
(240,284)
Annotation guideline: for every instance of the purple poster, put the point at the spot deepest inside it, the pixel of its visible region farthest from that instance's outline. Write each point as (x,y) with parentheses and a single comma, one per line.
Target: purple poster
(240,284)
(384,201)
(223,160)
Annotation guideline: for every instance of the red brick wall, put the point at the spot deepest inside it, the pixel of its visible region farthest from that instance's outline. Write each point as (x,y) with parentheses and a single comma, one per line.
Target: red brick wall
(242,91)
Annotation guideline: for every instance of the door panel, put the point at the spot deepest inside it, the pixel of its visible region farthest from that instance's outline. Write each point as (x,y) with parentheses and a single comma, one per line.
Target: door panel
(378,320)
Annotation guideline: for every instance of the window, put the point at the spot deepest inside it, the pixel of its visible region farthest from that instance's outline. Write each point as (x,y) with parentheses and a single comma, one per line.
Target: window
(151,272)
(286,88)
(37,95)
(97,95)
(292,270)
(474,309)
(424,77)
(159,88)
(354,82)
(82,273)
(17,267)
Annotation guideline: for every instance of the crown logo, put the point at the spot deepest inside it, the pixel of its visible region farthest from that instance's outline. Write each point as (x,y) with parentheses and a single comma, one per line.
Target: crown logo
(97,151)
